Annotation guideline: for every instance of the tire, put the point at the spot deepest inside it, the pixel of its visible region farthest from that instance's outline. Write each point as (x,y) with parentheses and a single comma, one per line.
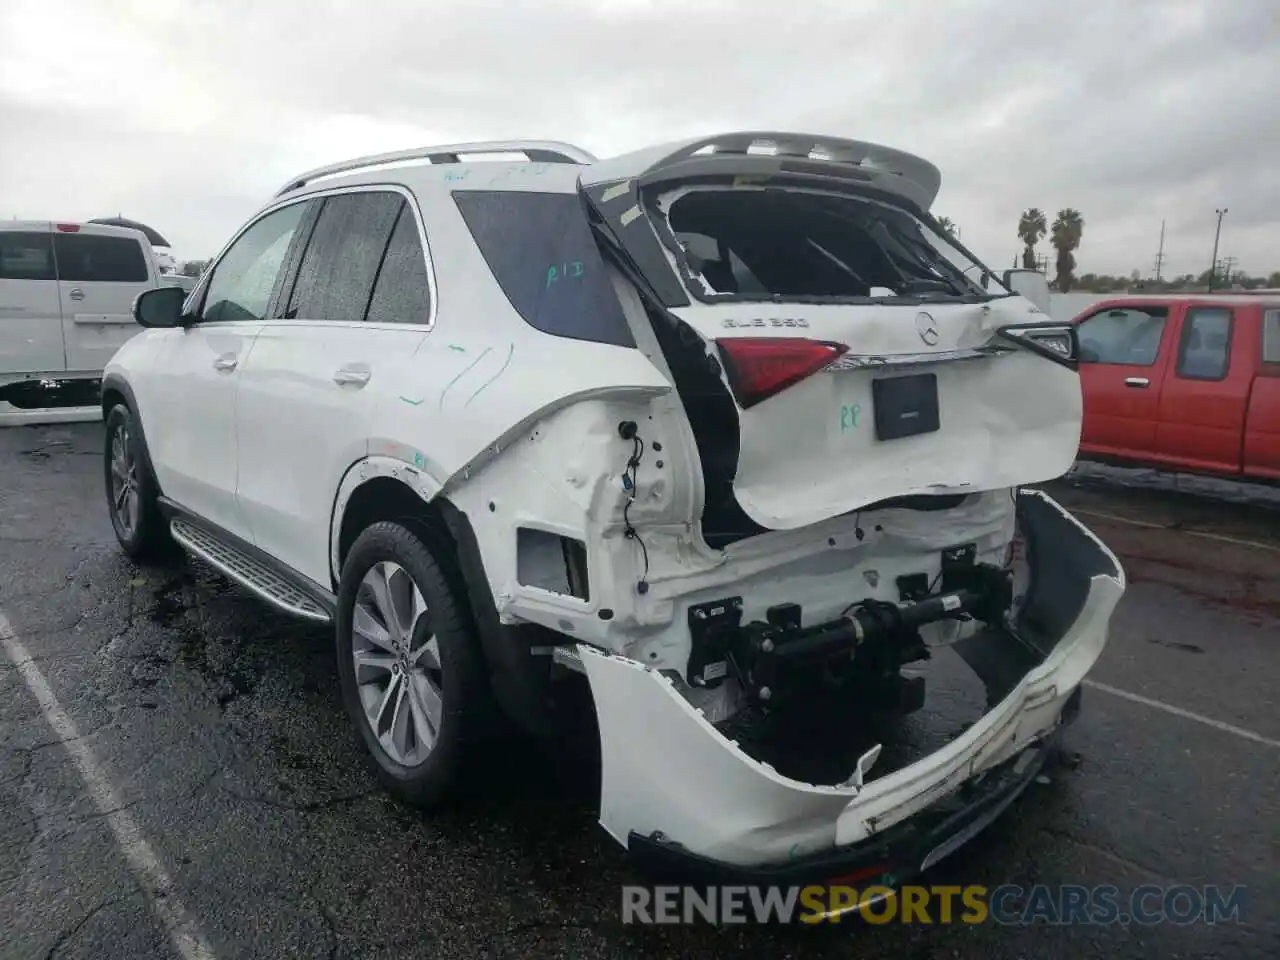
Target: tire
(139,525)
(420,770)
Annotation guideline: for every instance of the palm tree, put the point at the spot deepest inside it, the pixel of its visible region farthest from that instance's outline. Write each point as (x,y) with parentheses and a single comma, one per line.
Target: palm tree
(1068,228)
(1031,230)
(949,227)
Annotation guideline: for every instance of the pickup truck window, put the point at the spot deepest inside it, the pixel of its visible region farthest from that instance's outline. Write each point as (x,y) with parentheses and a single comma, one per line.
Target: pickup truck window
(26,256)
(1271,337)
(1205,349)
(1129,336)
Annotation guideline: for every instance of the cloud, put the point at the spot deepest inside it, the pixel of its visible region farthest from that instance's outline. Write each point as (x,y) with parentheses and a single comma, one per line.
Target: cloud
(189,114)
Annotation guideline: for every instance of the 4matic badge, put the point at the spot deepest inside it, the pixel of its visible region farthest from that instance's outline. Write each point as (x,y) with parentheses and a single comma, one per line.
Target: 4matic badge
(765,322)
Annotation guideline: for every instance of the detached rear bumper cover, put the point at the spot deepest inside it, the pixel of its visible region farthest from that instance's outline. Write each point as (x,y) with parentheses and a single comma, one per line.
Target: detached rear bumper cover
(673,783)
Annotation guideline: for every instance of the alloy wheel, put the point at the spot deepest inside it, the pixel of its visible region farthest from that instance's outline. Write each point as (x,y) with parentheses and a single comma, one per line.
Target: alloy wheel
(397,663)
(124,481)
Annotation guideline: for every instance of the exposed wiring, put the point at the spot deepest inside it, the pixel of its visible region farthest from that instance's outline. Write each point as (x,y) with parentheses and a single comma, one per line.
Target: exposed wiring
(628,431)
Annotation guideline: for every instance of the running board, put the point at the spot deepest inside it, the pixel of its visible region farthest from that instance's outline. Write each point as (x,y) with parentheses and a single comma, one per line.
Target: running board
(251,573)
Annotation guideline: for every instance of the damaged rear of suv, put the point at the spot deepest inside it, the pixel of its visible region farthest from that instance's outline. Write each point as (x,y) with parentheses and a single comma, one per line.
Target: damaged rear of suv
(865,403)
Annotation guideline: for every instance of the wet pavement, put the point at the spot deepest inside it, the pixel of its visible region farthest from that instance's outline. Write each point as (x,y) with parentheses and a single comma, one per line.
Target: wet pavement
(218,726)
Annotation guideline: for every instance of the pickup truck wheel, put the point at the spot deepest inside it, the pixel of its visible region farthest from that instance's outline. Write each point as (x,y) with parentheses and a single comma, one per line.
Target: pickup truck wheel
(410,665)
(132,496)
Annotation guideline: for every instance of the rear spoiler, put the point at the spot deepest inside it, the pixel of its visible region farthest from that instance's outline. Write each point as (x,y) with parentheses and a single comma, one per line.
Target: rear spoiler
(796,153)
(612,189)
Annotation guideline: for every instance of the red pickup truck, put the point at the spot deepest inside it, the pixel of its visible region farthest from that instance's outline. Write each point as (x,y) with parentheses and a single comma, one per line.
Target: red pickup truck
(1183,382)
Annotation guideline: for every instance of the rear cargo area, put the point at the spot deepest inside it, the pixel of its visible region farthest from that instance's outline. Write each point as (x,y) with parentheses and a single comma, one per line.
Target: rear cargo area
(837,353)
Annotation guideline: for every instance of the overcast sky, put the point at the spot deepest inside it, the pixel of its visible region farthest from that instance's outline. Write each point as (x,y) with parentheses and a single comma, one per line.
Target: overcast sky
(188,114)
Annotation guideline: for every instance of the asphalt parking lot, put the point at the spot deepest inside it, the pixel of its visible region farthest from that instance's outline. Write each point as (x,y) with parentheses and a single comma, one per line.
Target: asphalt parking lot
(214,725)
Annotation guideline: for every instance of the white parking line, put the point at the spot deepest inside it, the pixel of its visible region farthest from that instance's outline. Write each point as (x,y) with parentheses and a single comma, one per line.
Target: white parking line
(183,933)
(1185,714)
(1204,535)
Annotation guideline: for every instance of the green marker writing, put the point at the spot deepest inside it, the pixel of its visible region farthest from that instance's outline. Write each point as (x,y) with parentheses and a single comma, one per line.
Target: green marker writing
(849,416)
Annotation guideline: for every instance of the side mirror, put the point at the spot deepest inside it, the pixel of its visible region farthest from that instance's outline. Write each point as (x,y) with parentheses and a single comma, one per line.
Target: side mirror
(161,307)
(1031,284)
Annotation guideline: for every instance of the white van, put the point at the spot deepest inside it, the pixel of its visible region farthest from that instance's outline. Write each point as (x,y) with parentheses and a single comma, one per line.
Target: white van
(66,305)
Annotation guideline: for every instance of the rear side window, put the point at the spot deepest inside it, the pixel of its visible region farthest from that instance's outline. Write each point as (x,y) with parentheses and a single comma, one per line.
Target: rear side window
(402,292)
(336,277)
(86,258)
(1271,337)
(1129,336)
(1205,351)
(544,256)
(26,256)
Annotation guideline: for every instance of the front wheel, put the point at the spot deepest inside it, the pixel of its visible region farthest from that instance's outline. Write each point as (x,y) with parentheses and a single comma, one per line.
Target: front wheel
(132,496)
(410,665)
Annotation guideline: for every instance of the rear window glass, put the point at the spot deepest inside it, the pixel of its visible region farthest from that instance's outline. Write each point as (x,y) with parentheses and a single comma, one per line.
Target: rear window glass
(1271,337)
(1205,352)
(85,258)
(26,256)
(800,245)
(336,278)
(544,256)
(402,293)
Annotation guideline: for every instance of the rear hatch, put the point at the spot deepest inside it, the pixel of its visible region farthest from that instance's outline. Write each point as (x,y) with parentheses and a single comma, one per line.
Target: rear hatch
(866,354)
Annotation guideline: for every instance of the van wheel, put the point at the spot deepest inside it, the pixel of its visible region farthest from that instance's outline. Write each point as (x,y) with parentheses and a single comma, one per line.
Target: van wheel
(410,666)
(132,495)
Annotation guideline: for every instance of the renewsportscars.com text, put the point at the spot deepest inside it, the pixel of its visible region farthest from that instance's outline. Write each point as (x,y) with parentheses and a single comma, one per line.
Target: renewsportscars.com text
(1008,905)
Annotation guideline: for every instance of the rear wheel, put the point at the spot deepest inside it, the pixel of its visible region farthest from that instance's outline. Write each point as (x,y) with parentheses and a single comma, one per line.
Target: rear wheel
(132,495)
(410,665)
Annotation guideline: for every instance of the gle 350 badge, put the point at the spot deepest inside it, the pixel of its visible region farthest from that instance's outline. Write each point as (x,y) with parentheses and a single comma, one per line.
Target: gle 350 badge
(765,322)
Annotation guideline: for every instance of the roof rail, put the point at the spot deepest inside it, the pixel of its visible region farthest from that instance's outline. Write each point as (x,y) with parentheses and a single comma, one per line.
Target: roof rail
(537,151)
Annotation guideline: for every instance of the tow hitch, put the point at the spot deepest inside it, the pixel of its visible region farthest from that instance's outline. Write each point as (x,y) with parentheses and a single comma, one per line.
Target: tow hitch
(867,645)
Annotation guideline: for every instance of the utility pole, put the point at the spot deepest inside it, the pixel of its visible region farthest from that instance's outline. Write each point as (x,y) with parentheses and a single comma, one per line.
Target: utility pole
(1213,264)
(1160,254)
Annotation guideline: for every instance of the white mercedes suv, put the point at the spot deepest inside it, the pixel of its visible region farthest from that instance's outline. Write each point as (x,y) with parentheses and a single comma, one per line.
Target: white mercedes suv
(729,426)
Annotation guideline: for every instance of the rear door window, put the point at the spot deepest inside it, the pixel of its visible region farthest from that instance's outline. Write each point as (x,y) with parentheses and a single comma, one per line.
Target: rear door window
(89,258)
(1129,336)
(542,253)
(1205,350)
(26,256)
(402,292)
(1271,337)
(336,278)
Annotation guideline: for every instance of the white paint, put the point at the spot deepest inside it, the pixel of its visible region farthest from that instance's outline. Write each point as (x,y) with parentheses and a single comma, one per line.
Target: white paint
(1009,420)
(1204,535)
(183,933)
(1185,714)
(685,779)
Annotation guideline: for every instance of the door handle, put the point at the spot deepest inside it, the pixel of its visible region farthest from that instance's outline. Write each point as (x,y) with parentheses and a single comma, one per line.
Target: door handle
(226,362)
(1140,382)
(76,293)
(351,376)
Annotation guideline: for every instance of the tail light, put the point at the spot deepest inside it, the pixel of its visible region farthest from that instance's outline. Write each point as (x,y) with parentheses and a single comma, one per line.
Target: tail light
(759,367)
(1057,341)
(68,228)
